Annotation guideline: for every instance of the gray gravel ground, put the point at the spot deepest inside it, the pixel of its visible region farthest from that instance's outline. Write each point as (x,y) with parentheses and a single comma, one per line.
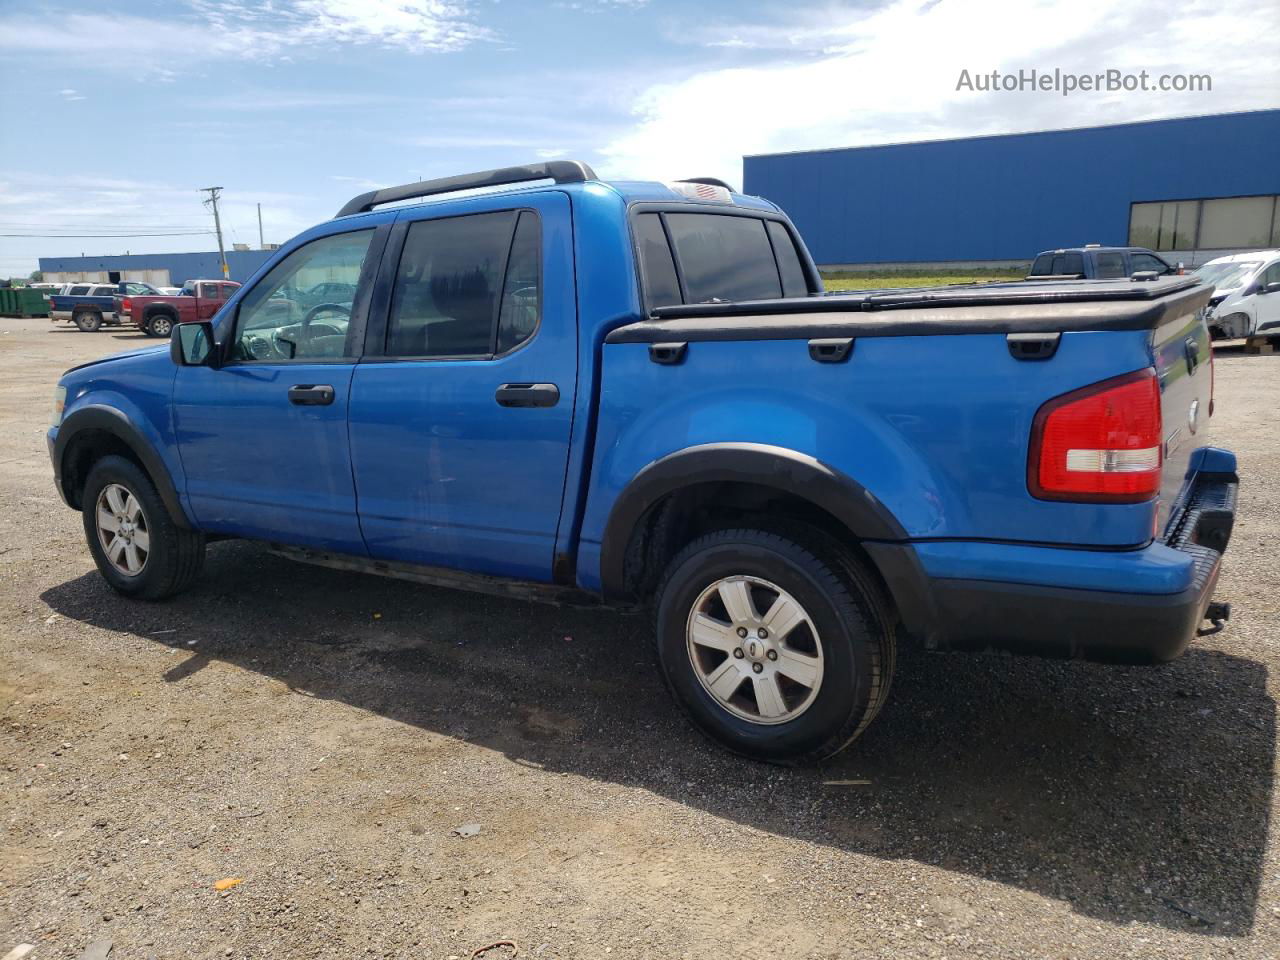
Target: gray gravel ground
(319,735)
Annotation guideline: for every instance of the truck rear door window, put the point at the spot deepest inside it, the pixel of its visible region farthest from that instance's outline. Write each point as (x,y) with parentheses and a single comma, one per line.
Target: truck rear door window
(466,286)
(724,257)
(1109,265)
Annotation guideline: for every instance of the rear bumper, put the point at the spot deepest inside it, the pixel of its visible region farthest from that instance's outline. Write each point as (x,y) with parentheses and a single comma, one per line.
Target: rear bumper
(1122,605)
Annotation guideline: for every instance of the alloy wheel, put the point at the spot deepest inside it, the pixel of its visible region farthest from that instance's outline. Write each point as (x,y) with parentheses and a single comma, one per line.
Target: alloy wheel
(755,649)
(123,531)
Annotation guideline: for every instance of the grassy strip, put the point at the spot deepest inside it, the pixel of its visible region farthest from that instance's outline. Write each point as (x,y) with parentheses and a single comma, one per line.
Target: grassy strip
(847,280)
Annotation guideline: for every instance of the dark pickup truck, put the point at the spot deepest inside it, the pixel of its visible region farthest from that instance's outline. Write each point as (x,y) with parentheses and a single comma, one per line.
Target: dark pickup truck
(1096,262)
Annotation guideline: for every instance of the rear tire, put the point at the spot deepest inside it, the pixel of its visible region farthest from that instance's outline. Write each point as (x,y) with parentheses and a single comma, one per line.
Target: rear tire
(160,325)
(799,692)
(89,321)
(138,548)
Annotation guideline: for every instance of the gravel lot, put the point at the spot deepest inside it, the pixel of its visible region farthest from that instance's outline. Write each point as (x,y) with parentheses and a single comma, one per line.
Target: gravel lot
(320,735)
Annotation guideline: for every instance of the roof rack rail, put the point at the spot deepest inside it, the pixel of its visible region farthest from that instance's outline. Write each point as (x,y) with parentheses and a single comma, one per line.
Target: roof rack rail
(561,171)
(709,181)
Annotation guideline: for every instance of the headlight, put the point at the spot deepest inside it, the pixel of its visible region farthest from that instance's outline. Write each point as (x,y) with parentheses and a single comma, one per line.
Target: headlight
(59,403)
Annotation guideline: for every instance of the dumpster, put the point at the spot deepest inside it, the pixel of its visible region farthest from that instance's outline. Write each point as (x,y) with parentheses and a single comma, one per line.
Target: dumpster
(23,302)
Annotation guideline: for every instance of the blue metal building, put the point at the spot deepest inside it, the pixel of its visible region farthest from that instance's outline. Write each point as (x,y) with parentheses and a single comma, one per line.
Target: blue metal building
(1190,186)
(180,267)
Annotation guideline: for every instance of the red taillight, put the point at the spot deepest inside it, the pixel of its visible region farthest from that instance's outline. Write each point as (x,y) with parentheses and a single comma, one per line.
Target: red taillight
(126,305)
(1099,443)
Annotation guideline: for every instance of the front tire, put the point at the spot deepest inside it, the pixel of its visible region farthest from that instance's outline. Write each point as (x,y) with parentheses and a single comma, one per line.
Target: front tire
(777,646)
(138,548)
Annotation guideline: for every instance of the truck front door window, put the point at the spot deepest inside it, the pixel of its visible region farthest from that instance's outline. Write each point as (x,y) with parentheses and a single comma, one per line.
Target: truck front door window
(277,322)
(1145,261)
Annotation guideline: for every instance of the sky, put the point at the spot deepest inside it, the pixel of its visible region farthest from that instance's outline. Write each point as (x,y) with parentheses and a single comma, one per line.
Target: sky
(116,113)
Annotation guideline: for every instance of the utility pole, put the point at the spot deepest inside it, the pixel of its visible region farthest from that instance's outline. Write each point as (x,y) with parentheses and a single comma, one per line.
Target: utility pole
(262,244)
(214,193)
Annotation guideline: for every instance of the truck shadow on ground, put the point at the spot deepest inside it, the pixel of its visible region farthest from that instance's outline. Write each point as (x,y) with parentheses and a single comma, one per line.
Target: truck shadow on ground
(1130,794)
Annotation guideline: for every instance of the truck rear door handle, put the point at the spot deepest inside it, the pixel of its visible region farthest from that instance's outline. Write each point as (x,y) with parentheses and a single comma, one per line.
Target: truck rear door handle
(311,395)
(527,395)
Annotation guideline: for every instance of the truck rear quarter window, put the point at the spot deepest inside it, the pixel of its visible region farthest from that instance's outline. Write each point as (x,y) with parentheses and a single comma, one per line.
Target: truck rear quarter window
(1059,264)
(724,257)
(657,267)
(790,270)
(466,286)
(718,257)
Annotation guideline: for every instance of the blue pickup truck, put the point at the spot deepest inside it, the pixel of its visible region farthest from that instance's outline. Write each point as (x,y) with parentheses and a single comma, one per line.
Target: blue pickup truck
(96,306)
(636,394)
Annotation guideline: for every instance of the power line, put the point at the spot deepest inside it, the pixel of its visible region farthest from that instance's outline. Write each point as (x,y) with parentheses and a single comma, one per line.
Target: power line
(91,236)
(102,223)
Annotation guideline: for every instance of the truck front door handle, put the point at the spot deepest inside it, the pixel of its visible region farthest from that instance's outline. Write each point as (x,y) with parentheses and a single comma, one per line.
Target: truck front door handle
(311,395)
(527,395)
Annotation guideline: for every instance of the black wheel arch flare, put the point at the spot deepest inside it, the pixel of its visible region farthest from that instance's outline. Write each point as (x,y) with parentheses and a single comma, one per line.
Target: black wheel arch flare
(114,422)
(786,470)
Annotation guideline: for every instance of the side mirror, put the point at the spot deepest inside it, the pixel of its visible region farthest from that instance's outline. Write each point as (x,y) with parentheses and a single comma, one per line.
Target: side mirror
(1273,287)
(192,345)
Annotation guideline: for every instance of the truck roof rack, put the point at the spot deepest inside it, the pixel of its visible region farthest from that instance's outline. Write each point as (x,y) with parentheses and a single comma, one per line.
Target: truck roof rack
(561,171)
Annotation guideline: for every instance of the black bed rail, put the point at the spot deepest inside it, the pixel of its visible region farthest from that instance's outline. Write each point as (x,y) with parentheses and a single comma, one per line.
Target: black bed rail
(997,293)
(561,171)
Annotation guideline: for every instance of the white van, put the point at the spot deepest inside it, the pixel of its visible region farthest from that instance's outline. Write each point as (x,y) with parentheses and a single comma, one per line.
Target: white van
(1246,296)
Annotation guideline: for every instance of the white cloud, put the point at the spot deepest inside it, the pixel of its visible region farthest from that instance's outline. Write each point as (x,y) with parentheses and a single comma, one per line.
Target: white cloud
(69,94)
(359,183)
(890,75)
(418,25)
(213,30)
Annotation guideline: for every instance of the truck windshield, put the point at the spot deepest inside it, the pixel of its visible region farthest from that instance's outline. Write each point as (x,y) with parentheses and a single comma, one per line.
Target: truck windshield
(708,257)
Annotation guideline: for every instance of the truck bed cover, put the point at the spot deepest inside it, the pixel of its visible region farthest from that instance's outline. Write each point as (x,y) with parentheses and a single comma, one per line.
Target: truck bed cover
(1013,307)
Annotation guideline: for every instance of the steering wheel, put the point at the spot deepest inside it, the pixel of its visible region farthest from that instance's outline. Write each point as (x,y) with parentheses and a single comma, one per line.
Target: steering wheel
(320,308)
(287,348)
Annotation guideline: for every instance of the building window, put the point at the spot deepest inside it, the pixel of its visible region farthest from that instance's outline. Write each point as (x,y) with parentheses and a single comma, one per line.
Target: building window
(1211,224)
